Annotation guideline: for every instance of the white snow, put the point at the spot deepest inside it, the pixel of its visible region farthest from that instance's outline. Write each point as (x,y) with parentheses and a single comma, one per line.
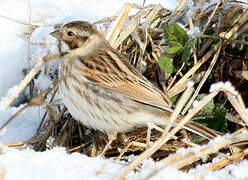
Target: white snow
(57,164)
(17,163)
(24,126)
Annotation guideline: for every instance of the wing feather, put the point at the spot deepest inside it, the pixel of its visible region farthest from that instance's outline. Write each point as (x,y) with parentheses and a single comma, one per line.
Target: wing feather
(119,76)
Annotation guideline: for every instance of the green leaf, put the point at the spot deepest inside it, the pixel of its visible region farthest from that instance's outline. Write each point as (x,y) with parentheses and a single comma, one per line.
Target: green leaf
(208,108)
(175,98)
(187,48)
(175,35)
(186,53)
(173,50)
(174,43)
(212,116)
(219,113)
(166,64)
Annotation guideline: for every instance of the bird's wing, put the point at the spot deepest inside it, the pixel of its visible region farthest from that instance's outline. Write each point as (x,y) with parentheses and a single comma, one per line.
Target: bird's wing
(109,70)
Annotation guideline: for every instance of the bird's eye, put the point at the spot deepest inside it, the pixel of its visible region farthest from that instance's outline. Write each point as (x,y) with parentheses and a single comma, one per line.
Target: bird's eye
(70,33)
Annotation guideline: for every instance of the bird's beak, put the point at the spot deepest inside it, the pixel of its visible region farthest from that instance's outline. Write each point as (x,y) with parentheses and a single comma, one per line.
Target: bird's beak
(55,34)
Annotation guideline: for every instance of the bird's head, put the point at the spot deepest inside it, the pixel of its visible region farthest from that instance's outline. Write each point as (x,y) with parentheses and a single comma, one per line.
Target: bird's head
(78,37)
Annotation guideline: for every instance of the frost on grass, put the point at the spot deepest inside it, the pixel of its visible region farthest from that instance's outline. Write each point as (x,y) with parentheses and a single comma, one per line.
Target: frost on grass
(190,84)
(197,149)
(195,103)
(227,85)
(194,32)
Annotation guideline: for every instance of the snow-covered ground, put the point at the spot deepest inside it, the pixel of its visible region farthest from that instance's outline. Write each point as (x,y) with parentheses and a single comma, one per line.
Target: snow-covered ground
(56,163)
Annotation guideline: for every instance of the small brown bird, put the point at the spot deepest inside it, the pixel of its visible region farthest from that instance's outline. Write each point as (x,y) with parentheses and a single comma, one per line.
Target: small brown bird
(102,90)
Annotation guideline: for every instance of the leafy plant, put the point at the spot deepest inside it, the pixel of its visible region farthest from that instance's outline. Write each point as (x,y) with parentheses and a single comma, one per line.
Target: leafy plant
(167,64)
(212,116)
(179,45)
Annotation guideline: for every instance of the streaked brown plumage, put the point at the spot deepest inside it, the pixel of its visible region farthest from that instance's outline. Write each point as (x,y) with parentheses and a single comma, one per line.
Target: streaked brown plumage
(101,89)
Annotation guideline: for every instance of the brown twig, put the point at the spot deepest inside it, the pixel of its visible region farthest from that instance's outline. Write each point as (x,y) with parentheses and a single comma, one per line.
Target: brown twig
(228,160)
